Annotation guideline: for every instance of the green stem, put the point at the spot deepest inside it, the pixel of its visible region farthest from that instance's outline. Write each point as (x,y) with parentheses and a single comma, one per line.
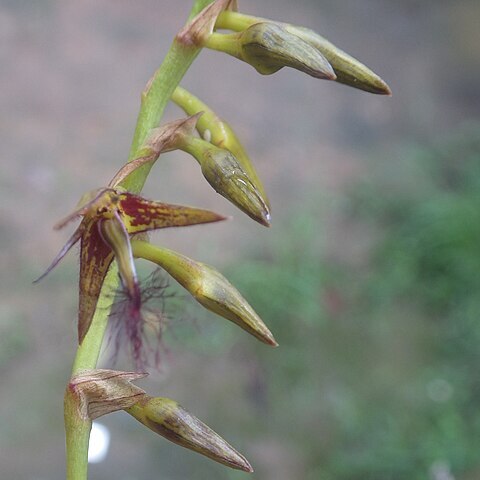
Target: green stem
(226,43)
(77,436)
(236,21)
(154,100)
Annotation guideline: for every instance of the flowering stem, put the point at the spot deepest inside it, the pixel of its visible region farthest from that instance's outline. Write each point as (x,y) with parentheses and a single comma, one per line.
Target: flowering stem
(154,101)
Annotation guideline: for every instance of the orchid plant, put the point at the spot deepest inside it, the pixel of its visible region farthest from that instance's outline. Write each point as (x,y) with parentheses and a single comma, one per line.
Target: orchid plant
(115,220)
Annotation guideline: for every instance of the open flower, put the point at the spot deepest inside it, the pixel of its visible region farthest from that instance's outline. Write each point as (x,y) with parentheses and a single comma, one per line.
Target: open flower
(110,216)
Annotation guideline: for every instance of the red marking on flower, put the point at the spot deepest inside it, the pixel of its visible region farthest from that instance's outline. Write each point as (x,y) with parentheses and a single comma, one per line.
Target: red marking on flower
(123,213)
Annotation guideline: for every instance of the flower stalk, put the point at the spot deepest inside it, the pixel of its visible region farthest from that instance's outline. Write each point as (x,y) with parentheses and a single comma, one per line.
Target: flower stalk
(112,216)
(153,103)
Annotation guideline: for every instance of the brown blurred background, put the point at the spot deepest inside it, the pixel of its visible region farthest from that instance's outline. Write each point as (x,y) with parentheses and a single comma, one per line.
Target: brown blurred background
(71,74)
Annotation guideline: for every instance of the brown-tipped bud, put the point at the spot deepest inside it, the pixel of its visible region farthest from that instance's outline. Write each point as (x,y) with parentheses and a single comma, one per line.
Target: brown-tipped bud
(223,172)
(348,70)
(209,287)
(219,296)
(170,420)
(268,47)
(94,393)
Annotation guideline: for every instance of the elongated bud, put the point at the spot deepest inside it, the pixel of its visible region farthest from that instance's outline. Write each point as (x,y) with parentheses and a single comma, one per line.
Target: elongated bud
(223,172)
(210,288)
(219,133)
(94,393)
(268,47)
(348,69)
(170,420)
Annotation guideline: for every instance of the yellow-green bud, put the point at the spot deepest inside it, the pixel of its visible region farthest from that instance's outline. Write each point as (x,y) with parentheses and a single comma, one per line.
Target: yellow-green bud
(170,420)
(347,69)
(209,287)
(268,47)
(223,172)
(218,132)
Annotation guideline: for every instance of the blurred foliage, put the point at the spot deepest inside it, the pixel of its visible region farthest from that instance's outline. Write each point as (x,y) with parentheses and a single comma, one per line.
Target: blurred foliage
(375,377)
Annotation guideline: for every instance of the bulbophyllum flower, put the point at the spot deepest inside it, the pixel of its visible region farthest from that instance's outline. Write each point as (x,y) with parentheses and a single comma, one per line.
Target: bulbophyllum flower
(109,217)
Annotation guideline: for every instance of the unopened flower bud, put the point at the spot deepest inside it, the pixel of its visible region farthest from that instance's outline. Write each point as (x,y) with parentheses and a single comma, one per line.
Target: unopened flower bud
(209,287)
(170,420)
(268,47)
(223,172)
(219,133)
(347,69)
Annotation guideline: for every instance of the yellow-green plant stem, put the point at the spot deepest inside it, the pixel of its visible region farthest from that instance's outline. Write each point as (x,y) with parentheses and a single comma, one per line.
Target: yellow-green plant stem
(154,101)
(236,21)
(226,43)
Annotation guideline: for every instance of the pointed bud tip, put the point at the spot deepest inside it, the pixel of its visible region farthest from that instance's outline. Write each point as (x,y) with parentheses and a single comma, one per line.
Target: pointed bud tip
(387,91)
(265,219)
(269,339)
(245,466)
(380,87)
(330,76)
(220,218)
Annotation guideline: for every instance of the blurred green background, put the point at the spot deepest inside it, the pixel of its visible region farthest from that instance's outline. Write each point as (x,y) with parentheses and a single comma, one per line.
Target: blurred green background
(368,277)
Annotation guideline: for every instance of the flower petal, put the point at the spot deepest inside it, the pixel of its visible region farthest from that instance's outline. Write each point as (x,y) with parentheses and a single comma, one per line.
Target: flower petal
(141,215)
(65,249)
(95,258)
